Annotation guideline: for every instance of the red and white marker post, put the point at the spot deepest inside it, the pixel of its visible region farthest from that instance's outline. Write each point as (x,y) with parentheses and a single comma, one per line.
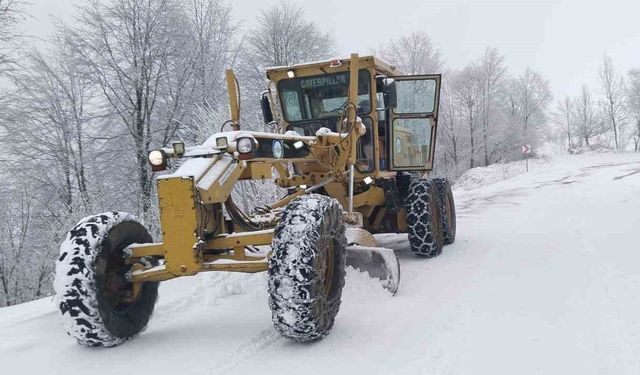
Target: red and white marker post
(526,150)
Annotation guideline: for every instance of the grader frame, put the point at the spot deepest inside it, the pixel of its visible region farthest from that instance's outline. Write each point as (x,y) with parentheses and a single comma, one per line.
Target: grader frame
(196,237)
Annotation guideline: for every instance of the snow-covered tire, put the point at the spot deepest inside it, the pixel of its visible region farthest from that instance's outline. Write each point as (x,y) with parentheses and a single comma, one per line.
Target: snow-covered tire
(90,281)
(423,219)
(447,210)
(307,268)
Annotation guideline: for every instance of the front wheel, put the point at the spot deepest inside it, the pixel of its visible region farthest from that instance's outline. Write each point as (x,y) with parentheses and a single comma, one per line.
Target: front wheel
(307,268)
(99,307)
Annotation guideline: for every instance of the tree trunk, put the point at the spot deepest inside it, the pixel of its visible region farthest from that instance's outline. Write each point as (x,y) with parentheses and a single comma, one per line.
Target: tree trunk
(613,123)
(472,162)
(486,145)
(638,137)
(568,132)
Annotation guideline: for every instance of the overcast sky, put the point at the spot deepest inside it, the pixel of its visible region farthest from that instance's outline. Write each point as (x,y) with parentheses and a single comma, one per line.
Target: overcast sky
(563,39)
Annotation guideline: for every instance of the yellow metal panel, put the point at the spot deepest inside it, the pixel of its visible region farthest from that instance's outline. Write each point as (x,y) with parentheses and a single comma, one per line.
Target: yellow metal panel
(256,238)
(216,185)
(232,90)
(154,274)
(257,171)
(402,220)
(353,86)
(179,223)
(372,197)
(140,250)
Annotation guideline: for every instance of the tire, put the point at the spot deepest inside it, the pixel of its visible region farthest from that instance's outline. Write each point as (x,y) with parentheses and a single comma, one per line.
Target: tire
(423,219)
(307,268)
(447,210)
(97,303)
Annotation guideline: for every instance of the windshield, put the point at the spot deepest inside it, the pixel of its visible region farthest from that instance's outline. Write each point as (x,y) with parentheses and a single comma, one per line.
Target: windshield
(325,95)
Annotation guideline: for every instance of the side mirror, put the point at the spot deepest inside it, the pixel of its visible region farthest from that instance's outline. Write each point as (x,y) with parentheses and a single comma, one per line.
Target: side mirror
(267,115)
(389,93)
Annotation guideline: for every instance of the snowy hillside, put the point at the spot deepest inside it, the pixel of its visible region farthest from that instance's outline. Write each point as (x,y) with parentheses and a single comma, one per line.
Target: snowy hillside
(543,278)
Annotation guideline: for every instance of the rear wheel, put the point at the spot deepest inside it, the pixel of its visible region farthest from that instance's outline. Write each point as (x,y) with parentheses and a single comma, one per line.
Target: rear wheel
(307,268)
(423,219)
(99,306)
(447,210)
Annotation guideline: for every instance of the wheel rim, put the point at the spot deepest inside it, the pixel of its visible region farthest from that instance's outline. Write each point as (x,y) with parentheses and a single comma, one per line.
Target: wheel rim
(117,290)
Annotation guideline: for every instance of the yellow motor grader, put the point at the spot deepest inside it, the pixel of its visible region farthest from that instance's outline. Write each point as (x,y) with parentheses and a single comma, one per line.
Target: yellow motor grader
(354,143)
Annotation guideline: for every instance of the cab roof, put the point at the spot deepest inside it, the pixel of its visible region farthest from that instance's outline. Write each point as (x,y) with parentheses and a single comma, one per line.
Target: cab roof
(315,67)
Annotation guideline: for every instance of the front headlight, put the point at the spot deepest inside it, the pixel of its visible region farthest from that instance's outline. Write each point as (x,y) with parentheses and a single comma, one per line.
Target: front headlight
(244,145)
(221,143)
(156,158)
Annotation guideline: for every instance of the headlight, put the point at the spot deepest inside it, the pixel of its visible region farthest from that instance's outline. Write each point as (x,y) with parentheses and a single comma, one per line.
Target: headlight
(178,148)
(221,143)
(278,151)
(244,145)
(158,160)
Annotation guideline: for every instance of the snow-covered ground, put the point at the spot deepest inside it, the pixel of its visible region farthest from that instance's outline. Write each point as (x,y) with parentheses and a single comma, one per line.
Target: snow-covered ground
(544,277)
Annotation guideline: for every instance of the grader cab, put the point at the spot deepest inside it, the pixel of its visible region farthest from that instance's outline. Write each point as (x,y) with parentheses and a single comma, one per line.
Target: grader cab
(353,144)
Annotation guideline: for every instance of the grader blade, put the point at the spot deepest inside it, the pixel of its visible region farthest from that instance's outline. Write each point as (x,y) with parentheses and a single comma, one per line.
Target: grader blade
(379,262)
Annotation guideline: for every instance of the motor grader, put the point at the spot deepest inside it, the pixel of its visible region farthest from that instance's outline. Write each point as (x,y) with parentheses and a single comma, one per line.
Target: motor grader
(353,143)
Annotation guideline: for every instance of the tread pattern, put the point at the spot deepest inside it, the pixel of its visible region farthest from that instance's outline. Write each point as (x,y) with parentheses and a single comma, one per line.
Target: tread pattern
(300,310)
(83,315)
(445,194)
(423,215)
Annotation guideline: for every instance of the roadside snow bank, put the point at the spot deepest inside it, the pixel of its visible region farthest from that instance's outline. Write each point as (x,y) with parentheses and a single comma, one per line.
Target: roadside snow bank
(483,176)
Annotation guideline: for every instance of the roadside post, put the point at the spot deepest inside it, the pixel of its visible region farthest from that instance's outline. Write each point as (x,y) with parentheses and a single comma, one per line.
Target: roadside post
(526,150)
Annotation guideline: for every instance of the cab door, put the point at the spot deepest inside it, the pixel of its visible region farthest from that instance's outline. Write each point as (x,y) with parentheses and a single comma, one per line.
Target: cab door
(414,122)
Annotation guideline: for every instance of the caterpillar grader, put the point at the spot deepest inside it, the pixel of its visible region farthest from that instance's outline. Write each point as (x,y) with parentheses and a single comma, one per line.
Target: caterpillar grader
(352,147)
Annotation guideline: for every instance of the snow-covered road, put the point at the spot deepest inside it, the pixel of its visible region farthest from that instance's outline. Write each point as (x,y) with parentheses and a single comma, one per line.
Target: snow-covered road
(544,277)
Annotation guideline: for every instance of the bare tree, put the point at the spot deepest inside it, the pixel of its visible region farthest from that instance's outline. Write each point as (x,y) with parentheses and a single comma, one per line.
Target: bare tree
(414,53)
(453,132)
(527,98)
(54,110)
(468,93)
(633,103)
(13,243)
(212,32)
(586,117)
(138,53)
(492,71)
(563,117)
(283,36)
(11,14)
(613,90)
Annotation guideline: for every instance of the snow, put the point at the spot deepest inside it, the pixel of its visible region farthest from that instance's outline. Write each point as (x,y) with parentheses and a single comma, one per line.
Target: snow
(543,278)
(481,176)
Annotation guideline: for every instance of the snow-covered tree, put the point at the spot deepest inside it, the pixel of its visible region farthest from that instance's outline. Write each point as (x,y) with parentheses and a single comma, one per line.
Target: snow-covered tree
(613,89)
(414,53)
(11,14)
(492,74)
(139,53)
(468,94)
(284,36)
(526,100)
(633,103)
(213,32)
(562,117)
(585,115)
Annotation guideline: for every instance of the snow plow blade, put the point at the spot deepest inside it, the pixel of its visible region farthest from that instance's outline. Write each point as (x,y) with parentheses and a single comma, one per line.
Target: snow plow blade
(379,262)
